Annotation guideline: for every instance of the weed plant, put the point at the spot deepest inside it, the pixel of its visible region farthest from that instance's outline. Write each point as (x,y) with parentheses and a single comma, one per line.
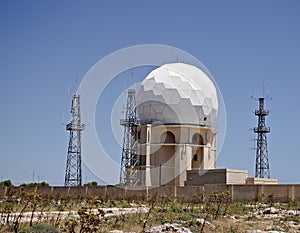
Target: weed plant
(91,216)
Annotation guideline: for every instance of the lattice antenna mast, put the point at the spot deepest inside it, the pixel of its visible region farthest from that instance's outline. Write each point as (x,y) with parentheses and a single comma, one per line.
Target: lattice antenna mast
(129,161)
(262,169)
(73,175)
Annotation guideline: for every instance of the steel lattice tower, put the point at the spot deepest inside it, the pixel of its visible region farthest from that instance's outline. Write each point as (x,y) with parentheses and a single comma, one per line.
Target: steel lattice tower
(129,161)
(73,175)
(262,161)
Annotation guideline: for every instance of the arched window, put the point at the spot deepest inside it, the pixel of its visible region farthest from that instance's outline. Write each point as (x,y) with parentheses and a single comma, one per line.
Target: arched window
(167,137)
(197,139)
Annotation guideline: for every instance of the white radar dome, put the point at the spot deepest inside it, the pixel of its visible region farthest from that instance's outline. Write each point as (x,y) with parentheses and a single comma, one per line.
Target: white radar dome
(177,93)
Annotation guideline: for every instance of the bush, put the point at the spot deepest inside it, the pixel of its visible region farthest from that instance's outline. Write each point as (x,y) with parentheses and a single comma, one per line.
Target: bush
(91,184)
(41,184)
(6,183)
(40,228)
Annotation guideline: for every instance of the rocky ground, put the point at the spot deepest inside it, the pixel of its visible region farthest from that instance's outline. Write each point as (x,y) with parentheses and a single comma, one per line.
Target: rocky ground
(259,218)
(266,220)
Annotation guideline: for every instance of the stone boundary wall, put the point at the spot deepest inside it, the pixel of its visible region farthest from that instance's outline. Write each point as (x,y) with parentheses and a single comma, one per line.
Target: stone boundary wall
(280,192)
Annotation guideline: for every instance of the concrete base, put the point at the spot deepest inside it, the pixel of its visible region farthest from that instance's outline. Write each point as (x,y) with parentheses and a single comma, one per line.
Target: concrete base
(216,176)
(261,181)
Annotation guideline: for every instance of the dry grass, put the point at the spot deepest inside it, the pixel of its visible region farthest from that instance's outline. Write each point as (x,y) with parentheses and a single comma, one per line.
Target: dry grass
(216,210)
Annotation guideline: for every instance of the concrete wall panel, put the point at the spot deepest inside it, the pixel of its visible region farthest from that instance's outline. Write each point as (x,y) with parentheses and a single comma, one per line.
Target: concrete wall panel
(209,189)
(296,192)
(14,191)
(244,192)
(161,192)
(99,191)
(44,190)
(276,192)
(135,194)
(115,193)
(189,193)
(281,193)
(78,191)
(60,191)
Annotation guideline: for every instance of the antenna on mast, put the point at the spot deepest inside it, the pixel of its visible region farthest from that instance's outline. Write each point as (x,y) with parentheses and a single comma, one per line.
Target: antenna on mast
(73,176)
(130,160)
(262,167)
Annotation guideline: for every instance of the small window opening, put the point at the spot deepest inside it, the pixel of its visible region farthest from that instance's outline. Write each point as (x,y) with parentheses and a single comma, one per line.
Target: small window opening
(195,158)
(139,135)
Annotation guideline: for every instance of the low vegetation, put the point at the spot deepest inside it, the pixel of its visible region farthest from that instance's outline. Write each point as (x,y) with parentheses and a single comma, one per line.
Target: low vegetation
(6,183)
(32,212)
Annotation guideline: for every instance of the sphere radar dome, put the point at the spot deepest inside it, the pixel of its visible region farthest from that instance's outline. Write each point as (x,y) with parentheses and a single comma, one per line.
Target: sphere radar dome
(177,93)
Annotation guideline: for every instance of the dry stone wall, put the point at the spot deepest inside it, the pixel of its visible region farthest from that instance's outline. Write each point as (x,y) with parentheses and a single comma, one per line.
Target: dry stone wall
(279,193)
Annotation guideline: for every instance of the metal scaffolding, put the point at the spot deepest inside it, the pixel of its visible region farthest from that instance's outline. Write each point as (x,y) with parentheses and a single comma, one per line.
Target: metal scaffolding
(73,176)
(130,160)
(262,169)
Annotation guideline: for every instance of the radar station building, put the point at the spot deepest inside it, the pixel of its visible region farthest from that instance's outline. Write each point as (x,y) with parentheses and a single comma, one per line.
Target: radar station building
(177,105)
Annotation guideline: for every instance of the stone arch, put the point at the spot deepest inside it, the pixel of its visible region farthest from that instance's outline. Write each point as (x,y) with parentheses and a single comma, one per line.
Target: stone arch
(197,139)
(167,137)
(163,160)
(198,152)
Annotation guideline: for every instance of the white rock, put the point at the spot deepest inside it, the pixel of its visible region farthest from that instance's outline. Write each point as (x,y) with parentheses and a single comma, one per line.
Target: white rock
(168,228)
(207,223)
(293,212)
(118,231)
(270,210)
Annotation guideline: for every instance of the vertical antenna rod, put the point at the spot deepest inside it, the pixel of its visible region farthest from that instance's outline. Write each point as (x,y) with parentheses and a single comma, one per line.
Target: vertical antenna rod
(262,161)
(129,161)
(73,175)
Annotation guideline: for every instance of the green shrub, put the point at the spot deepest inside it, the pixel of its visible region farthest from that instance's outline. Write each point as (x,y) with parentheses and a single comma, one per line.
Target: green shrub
(40,228)
(41,184)
(91,184)
(6,183)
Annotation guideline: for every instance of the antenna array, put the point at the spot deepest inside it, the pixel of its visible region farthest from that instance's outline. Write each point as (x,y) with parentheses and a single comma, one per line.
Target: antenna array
(262,168)
(73,176)
(130,160)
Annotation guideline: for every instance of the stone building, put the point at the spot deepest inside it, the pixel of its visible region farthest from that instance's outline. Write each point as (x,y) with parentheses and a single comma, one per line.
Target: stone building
(177,105)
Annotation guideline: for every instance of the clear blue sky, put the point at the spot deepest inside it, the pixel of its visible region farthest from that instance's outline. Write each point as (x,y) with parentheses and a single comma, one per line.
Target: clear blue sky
(48,46)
